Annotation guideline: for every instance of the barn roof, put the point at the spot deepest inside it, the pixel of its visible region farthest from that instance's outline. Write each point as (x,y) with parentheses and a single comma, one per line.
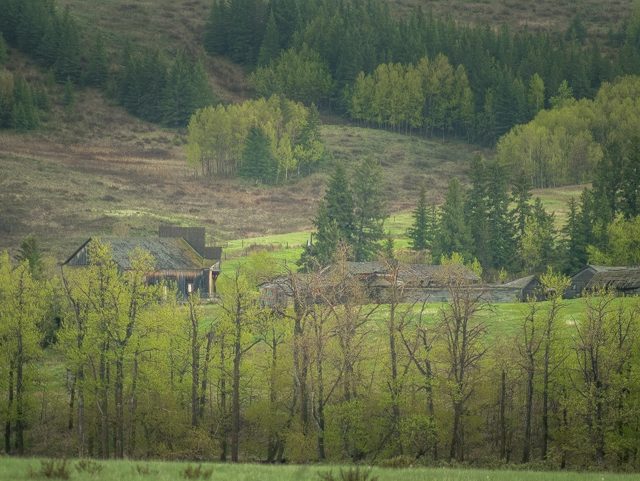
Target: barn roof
(169,253)
(520,283)
(617,277)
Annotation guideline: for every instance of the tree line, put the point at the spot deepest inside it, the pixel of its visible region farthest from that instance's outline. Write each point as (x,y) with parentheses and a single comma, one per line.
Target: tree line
(563,146)
(146,84)
(287,40)
(341,379)
(264,140)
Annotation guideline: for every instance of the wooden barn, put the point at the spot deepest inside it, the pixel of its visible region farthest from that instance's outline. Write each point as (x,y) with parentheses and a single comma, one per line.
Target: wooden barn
(624,279)
(180,256)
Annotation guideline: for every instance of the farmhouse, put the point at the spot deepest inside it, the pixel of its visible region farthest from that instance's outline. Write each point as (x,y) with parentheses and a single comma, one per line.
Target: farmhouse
(180,255)
(626,280)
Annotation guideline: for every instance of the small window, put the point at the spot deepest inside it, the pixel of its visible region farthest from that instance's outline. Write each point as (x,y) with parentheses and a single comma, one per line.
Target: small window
(189,288)
(268,292)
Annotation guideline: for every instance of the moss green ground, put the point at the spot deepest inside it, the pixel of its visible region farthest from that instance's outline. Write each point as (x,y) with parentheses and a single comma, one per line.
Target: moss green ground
(18,469)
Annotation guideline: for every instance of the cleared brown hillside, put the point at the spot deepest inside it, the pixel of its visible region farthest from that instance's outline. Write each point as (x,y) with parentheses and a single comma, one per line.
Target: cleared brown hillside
(597,15)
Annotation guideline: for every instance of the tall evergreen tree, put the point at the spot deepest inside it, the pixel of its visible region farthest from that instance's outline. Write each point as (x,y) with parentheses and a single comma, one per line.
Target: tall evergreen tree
(216,36)
(98,68)
(270,47)
(323,245)
(453,233)
(521,196)
(369,202)
(476,213)
(500,223)
(257,161)
(418,233)
(630,198)
(29,252)
(68,52)
(608,180)
(4,55)
(179,99)
(340,205)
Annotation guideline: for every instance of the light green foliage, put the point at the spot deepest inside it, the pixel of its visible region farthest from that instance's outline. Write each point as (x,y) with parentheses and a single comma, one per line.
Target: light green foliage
(23,305)
(217,135)
(300,75)
(563,145)
(622,247)
(429,95)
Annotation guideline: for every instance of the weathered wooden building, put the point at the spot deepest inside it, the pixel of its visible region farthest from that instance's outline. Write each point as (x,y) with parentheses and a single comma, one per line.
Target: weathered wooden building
(625,280)
(180,254)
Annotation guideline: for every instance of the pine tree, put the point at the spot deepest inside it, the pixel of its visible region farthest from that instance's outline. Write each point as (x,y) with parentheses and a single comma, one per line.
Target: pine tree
(630,199)
(257,161)
(419,231)
(500,223)
(476,211)
(520,196)
(453,233)
(29,251)
(369,202)
(270,47)
(200,82)
(98,68)
(340,205)
(24,115)
(4,55)
(179,100)
(149,81)
(216,30)
(608,180)
(69,96)
(67,64)
(323,245)
(575,252)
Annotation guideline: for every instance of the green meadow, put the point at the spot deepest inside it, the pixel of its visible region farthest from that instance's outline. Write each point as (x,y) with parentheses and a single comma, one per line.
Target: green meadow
(24,469)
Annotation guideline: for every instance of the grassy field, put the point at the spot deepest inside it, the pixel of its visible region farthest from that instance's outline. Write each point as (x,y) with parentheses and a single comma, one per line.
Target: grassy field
(17,469)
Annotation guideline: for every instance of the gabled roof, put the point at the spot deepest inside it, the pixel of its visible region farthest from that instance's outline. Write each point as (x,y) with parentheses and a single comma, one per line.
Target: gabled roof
(520,283)
(169,253)
(616,277)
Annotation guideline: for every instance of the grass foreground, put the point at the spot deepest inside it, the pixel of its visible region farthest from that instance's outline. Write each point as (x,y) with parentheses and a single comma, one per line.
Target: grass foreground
(17,469)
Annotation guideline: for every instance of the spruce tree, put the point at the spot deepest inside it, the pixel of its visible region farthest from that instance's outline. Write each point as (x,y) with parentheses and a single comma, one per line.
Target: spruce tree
(370,212)
(257,161)
(200,83)
(98,68)
(323,245)
(216,29)
(453,233)
(69,96)
(501,232)
(339,201)
(476,211)
(29,251)
(270,47)
(520,196)
(67,64)
(4,55)
(179,102)
(630,200)
(419,230)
